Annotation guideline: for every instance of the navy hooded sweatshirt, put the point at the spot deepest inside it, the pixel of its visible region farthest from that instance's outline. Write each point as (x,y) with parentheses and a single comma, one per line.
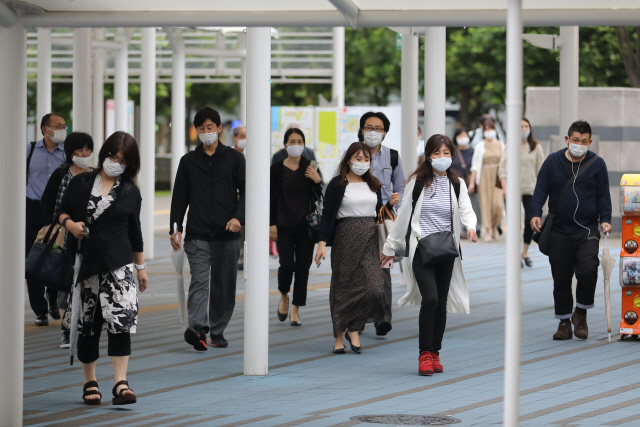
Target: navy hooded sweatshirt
(591,188)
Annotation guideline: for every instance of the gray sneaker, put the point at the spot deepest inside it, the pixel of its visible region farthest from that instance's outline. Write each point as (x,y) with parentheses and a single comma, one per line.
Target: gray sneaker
(64,341)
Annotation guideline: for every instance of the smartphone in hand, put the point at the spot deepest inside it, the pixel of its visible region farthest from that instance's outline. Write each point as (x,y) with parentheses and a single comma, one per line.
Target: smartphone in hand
(314,164)
(388,264)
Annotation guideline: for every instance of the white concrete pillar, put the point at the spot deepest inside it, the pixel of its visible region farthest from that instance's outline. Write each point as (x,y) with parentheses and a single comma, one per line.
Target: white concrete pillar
(177,103)
(242,44)
(409,95)
(513,312)
(147,140)
(569,77)
(121,82)
(256,257)
(44,76)
(82,90)
(13,122)
(99,66)
(337,86)
(435,80)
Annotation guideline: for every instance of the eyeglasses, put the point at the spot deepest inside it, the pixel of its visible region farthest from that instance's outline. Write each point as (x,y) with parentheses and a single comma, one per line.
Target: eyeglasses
(58,127)
(374,129)
(83,152)
(117,159)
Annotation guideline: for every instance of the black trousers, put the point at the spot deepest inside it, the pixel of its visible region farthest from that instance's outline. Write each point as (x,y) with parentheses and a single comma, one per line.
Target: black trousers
(571,254)
(36,289)
(89,346)
(433,282)
(528,232)
(296,255)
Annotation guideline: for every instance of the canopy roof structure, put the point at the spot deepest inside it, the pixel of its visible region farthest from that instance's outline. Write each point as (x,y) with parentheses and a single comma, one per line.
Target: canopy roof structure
(314,13)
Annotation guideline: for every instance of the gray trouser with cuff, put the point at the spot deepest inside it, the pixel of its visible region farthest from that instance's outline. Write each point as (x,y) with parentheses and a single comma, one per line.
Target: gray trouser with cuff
(220,260)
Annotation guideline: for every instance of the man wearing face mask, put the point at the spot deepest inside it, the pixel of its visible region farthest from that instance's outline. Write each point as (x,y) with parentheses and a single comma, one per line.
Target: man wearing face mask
(210,182)
(576,182)
(43,158)
(240,139)
(387,167)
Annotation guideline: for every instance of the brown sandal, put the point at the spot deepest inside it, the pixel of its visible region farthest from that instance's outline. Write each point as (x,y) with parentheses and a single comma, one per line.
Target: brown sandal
(86,393)
(119,398)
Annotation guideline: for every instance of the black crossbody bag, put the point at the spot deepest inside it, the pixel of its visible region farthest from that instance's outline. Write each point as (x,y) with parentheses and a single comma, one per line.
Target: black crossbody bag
(542,237)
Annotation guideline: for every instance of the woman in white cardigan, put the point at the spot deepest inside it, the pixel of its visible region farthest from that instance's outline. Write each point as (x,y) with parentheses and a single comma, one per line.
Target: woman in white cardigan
(437,288)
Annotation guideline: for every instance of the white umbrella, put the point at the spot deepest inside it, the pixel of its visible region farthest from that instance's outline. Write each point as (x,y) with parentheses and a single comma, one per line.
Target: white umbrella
(608,262)
(177,257)
(75,302)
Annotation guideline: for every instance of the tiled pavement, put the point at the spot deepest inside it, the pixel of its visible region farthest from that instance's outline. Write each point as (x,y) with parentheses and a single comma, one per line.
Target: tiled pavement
(574,383)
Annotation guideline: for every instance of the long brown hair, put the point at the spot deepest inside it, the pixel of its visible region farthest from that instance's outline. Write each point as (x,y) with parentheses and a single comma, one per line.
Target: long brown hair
(425,170)
(344,167)
(532,142)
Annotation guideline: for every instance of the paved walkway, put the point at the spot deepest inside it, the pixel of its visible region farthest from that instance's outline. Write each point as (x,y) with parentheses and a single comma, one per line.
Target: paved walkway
(574,383)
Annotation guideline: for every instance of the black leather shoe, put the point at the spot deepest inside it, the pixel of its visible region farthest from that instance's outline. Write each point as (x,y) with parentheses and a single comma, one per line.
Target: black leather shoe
(54,313)
(283,316)
(294,323)
(342,350)
(383,328)
(355,349)
(42,320)
(527,262)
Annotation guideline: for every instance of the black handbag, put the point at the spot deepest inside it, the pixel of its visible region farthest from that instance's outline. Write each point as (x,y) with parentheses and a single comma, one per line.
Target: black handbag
(313,218)
(441,246)
(542,237)
(52,266)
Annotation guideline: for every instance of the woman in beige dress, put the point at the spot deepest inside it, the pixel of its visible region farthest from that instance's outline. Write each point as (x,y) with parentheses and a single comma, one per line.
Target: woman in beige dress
(484,172)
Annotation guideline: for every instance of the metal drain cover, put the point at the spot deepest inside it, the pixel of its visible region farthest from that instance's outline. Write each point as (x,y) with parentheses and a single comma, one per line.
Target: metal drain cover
(407,420)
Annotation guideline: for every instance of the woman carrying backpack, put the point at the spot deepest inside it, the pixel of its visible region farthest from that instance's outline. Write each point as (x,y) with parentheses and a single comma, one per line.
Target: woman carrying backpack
(440,202)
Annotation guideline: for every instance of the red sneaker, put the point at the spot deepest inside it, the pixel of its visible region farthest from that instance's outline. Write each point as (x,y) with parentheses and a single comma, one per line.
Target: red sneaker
(435,362)
(425,367)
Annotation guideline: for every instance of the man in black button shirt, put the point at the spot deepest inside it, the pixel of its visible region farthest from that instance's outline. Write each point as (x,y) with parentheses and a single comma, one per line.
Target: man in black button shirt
(211,182)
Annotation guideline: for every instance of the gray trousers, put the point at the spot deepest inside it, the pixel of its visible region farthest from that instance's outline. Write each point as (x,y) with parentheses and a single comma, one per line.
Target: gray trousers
(388,294)
(220,260)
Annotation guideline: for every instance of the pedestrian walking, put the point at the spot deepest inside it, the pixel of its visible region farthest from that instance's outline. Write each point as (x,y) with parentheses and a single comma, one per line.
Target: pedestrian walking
(484,174)
(461,165)
(386,166)
(102,209)
(210,182)
(531,159)
(576,182)
(295,186)
(439,204)
(78,149)
(351,202)
(43,158)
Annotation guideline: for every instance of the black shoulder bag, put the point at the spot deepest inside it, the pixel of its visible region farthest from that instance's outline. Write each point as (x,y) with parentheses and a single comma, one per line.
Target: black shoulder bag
(51,266)
(542,237)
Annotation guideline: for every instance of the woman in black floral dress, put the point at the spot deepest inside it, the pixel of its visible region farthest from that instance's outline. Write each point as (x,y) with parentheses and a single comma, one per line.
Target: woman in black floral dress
(102,209)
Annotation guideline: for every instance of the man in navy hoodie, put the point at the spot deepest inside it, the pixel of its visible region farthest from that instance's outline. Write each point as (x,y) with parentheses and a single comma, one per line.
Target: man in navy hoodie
(574,237)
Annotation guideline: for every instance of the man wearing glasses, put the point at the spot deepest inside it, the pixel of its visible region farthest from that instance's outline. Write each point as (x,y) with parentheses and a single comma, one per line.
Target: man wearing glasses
(387,167)
(43,157)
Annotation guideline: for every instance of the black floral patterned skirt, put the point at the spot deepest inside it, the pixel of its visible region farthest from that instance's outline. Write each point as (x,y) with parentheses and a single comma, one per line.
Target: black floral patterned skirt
(356,296)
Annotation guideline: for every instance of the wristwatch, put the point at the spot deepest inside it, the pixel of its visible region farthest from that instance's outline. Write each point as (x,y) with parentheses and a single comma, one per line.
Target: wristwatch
(140,266)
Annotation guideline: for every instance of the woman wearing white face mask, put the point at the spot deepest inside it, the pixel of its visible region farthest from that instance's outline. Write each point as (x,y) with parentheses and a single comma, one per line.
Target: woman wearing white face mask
(351,202)
(78,149)
(436,204)
(295,185)
(531,160)
(106,202)
(484,173)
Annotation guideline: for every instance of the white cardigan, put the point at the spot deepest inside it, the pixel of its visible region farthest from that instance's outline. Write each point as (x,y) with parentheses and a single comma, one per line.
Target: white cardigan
(478,158)
(458,301)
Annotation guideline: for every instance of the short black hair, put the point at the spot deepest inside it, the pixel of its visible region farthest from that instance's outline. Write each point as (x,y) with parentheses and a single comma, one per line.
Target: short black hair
(385,122)
(76,141)
(457,133)
(46,120)
(127,143)
(581,127)
(288,133)
(207,113)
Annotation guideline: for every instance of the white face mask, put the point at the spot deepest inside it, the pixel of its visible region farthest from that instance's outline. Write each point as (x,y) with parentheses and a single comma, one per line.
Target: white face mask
(82,162)
(242,143)
(525,134)
(208,138)
(295,150)
(577,150)
(463,141)
(441,164)
(360,168)
(112,168)
(373,138)
(490,134)
(59,135)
